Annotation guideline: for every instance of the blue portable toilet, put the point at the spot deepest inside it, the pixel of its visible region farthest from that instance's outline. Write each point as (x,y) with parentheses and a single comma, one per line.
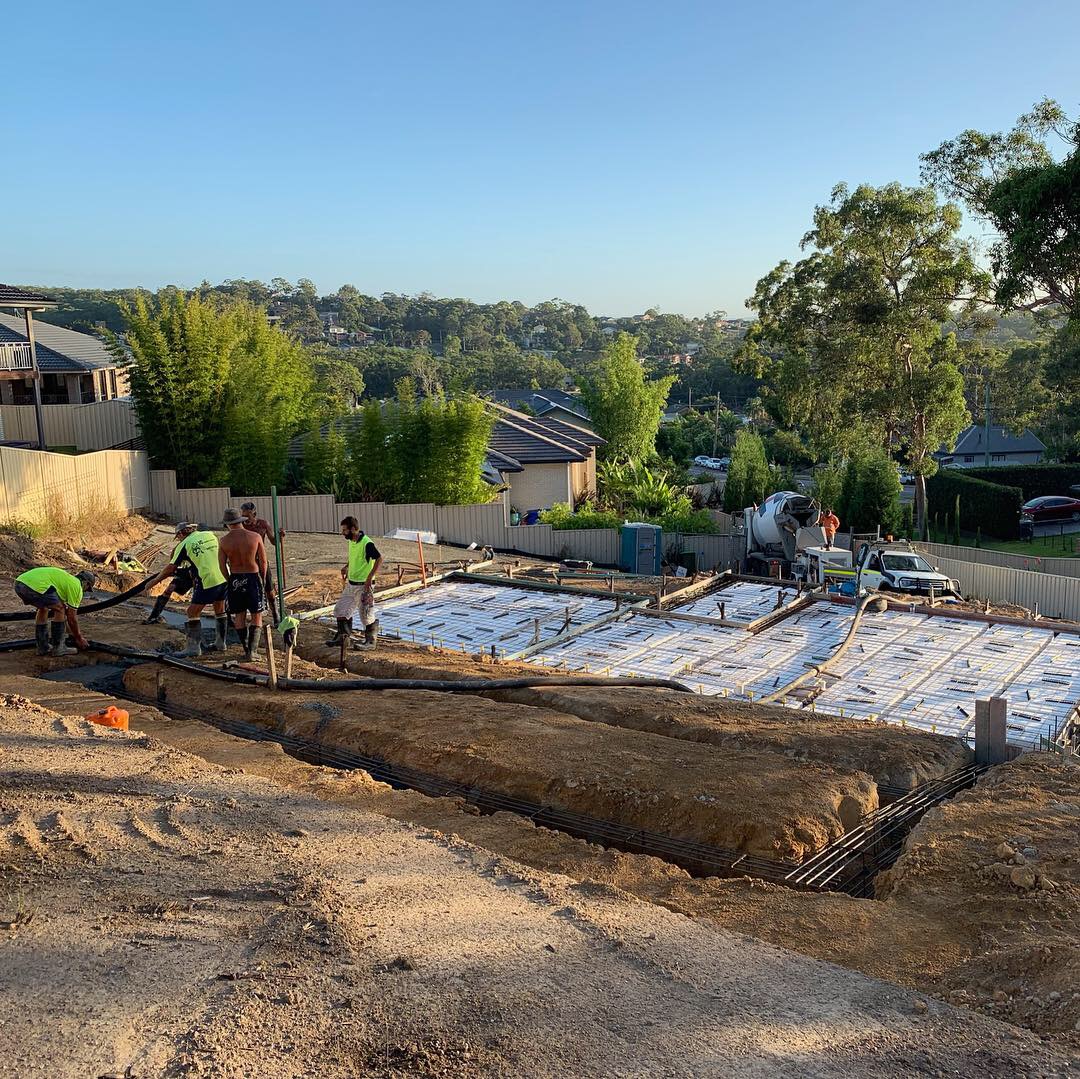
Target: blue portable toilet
(639,550)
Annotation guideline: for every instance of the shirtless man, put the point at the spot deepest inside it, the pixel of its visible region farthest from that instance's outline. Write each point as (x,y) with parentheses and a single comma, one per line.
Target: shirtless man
(242,558)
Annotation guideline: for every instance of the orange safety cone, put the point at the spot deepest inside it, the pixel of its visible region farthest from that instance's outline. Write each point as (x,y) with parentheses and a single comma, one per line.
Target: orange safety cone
(110,717)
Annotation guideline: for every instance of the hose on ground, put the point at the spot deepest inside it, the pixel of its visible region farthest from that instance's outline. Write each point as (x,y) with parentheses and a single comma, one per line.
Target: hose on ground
(16,646)
(463,685)
(101,605)
(824,665)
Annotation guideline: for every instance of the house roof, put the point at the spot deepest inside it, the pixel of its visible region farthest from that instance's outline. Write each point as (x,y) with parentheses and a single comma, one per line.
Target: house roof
(1002,440)
(58,349)
(13,296)
(541,401)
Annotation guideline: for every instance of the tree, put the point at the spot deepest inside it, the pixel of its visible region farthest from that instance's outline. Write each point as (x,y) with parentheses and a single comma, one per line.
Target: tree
(624,406)
(1013,181)
(850,338)
(873,496)
(218,390)
(748,477)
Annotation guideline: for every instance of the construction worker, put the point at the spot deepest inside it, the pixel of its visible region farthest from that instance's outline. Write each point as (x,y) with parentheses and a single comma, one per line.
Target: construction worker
(200,548)
(242,560)
(56,594)
(358,592)
(830,525)
(254,523)
(181,583)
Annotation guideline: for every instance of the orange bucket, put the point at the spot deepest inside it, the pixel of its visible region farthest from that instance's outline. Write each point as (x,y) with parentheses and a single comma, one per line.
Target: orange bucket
(110,717)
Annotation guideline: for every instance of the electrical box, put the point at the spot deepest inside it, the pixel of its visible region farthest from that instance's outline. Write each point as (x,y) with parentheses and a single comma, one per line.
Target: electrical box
(640,549)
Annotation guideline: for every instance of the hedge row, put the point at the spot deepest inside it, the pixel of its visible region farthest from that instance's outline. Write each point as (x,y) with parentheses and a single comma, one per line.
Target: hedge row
(991,507)
(1033,480)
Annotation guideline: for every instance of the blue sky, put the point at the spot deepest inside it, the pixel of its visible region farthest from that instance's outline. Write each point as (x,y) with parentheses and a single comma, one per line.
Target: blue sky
(617,154)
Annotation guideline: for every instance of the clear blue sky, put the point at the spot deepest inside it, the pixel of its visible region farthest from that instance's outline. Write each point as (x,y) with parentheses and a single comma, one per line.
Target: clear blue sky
(620,154)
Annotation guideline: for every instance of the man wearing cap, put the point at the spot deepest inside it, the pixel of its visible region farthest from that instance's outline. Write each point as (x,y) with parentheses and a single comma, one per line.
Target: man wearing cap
(358,593)
(183,580)
(56,594)
(200,548)
(262,528)
(242,559)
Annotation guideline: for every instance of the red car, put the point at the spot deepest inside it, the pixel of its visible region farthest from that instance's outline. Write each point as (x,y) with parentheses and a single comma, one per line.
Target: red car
(1050,508)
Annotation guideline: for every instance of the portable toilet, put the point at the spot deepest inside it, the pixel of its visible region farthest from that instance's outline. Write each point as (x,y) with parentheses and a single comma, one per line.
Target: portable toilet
(640,549)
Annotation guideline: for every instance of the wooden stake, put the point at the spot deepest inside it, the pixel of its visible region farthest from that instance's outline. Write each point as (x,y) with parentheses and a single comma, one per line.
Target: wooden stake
(420,550)
(271,659)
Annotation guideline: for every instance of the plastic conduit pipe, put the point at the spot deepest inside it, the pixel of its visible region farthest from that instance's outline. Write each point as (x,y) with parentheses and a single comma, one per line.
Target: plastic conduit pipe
(823,667)
(101,605)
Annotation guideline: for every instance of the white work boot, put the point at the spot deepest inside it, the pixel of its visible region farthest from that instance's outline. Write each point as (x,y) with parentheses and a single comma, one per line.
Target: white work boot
(193,629)
(56,636)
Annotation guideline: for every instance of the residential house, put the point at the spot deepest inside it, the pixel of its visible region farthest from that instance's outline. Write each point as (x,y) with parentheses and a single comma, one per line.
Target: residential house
(553,404)
(76,368)
(1006,448)
(543,459)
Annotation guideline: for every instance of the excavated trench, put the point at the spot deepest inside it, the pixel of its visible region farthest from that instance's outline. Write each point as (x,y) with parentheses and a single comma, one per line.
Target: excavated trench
(759,804)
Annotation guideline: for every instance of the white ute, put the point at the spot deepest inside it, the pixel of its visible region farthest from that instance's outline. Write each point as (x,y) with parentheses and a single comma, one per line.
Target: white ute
(898,567)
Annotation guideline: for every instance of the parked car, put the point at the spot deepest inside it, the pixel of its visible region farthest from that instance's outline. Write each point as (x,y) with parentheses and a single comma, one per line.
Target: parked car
(1049,508)
(702,460)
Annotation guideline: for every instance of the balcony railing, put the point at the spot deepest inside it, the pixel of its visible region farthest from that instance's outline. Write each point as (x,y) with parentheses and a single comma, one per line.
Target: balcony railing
(15,356)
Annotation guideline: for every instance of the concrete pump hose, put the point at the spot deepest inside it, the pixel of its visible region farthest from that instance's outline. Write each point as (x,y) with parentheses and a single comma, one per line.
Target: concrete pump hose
(462,685)
(101,605)
(871,598)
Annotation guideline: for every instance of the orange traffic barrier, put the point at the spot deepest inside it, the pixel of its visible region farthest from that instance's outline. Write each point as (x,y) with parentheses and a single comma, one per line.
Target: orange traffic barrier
(110,717)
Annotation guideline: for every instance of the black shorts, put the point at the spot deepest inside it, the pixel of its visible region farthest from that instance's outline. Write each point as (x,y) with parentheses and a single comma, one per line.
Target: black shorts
(246,594)
(48,598)
(208,595)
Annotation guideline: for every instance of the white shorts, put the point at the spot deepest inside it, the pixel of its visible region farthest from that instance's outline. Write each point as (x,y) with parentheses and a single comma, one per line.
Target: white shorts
(352,601)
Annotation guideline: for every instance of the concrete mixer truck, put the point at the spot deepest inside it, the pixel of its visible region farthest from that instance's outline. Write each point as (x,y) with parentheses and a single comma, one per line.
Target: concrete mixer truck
(772,530)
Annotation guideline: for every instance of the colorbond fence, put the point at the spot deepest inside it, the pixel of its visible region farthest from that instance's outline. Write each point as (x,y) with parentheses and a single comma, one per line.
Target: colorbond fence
(1062,567)
(484,525)
(35,483)
(94,426)
(1049,594)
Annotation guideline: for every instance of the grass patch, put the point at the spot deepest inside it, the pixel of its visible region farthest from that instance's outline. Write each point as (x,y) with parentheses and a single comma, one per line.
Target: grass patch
(1067,546)
(63,524)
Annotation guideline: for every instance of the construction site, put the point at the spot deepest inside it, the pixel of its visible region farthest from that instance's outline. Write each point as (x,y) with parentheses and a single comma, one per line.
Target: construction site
(557,821)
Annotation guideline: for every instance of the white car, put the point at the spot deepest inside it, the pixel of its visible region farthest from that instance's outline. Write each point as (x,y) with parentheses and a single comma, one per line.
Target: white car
(702,460)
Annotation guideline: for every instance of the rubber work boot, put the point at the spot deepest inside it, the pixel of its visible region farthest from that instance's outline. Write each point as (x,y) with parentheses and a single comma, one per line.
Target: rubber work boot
(56,635)
(371,637)
(221,640)
(154,617)
(41,638)
(252,642)
(193,629)
(342,632)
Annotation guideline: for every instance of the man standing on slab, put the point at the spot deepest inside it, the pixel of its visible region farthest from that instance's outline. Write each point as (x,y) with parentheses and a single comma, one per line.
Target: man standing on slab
(242,560)
(358,593)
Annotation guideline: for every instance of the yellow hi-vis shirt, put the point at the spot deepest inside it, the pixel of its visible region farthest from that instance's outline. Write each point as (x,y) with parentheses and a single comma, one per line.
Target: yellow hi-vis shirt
(68,588)
(202,549)
(360,559)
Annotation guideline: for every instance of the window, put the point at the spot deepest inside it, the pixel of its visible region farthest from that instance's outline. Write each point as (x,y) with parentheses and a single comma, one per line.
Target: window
(112,382)
(968,460)
(875,562)
(999,457)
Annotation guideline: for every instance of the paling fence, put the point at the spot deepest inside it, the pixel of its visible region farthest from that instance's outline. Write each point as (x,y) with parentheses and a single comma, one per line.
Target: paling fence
(36,484)
(94,426)
(1062,567)
(1051,595)
(485,525)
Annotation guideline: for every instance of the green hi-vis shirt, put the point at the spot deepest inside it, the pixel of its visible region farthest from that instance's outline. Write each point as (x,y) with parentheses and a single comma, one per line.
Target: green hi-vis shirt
(362,555)
(202,549)
(68,588)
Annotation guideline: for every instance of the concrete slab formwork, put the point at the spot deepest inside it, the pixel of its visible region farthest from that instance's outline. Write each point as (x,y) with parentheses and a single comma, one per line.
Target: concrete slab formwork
(903,667)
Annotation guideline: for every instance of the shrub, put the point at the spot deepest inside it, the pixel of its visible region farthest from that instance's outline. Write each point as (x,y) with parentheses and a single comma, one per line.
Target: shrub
(989,507)
(561,517)
(688,520)
(749,477)
(873,493)
(1033,480)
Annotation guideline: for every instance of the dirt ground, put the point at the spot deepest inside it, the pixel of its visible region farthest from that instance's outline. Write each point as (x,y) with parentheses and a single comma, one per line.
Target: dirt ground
(166,917)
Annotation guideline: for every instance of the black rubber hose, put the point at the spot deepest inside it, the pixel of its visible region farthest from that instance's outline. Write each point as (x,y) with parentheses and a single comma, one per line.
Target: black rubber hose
(463,685)
(101,605)
(16,646)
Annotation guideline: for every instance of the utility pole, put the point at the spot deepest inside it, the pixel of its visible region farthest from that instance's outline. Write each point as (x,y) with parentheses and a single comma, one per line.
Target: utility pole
(716,425)
(35,377)
(986,421)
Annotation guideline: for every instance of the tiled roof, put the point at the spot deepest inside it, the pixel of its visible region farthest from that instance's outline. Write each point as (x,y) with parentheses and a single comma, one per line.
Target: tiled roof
(58,349)
(541,401)
(1002,440)
(13,296)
